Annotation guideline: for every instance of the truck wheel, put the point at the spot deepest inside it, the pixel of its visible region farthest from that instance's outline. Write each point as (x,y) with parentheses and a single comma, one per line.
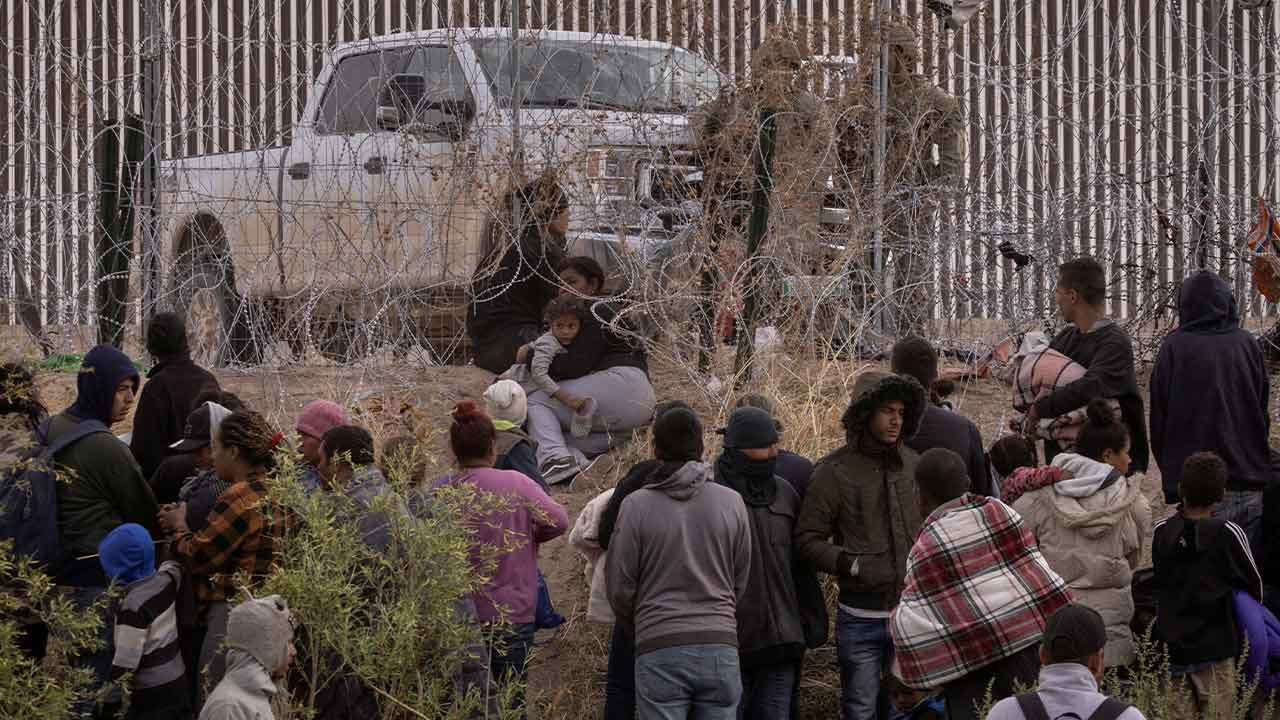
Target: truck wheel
(222,327)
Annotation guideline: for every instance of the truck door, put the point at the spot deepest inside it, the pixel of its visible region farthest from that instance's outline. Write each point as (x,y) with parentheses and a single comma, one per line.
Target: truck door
(430,212)
(334,178)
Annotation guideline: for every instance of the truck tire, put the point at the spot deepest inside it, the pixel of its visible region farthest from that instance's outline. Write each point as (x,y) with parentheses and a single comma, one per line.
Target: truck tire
(223,328)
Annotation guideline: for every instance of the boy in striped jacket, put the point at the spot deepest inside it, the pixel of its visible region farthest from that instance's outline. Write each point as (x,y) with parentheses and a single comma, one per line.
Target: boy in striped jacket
(146,631)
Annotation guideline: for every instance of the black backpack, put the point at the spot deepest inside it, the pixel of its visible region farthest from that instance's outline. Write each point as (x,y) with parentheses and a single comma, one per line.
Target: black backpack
(29,497)
(1032,708)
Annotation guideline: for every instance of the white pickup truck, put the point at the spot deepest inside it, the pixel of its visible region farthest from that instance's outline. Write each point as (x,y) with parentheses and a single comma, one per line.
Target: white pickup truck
(364,229)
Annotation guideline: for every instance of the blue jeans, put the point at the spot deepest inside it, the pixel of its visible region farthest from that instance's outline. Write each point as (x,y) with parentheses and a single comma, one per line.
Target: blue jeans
(620,682)
(702,682)
(1244,508)
(864,648)
(766,692)
(508,657)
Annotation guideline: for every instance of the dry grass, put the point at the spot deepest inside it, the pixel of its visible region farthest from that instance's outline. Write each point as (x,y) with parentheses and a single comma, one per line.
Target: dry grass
(568,664)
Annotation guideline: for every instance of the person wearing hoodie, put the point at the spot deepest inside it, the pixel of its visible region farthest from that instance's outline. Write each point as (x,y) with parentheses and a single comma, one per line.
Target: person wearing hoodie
(771,621)
(506,403)
(508,601)
(1072,660)
(170,393)
(1199,562)
(1091,523)
(146,632)
(1104,348)
(259,652)
(858,521)
(1212,368)
(679,564)
(104,489)
(673,445)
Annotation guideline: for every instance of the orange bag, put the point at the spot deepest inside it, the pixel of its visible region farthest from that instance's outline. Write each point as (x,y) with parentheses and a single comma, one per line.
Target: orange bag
(1263,237)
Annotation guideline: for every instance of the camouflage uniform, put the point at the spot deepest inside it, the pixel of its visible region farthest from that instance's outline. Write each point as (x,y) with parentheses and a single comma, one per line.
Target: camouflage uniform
(727,137)
(921,116)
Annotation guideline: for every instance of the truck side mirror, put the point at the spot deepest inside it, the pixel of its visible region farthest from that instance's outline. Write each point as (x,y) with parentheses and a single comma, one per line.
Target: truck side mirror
(388,117)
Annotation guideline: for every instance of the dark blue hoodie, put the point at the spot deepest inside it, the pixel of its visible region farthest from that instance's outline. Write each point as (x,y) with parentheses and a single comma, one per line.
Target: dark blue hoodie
(1210,391)
(101,372)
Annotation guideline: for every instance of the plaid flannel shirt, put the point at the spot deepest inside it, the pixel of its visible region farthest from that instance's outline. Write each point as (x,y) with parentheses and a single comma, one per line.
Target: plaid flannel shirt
(238,538)
(977,591)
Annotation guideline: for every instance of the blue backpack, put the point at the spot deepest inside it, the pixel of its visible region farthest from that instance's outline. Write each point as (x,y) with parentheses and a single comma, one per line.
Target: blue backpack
(29,497)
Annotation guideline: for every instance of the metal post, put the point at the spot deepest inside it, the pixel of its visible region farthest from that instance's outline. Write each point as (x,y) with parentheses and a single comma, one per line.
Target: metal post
(517,144)
(881,87)
(152,81)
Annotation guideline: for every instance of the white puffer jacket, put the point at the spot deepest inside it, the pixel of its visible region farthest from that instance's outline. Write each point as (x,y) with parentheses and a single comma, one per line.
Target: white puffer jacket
(1090,527)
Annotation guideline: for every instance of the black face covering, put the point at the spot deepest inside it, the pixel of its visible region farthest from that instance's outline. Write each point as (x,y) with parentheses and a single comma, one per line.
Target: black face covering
(753,479)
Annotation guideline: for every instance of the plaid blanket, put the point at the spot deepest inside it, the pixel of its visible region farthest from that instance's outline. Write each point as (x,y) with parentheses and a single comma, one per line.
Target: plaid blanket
(977,590)
(1038,372)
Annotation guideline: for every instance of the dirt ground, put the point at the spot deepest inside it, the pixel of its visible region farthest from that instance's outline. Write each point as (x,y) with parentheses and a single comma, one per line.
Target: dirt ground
(568,664)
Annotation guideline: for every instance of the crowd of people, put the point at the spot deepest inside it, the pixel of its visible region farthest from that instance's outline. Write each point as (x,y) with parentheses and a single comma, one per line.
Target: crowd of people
(962,572)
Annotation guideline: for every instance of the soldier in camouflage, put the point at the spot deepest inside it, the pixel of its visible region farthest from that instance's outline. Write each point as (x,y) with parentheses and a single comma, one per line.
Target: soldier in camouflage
(924,155)
(727,136)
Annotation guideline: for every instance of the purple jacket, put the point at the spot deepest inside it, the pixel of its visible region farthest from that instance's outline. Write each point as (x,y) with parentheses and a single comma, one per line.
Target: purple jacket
(533,517)
(1261,630)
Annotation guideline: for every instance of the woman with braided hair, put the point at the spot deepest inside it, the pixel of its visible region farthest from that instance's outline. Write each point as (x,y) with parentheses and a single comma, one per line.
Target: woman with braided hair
(238,537)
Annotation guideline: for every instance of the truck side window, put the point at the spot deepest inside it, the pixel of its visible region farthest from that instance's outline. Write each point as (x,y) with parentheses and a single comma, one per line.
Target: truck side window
(350,102)
(438,101)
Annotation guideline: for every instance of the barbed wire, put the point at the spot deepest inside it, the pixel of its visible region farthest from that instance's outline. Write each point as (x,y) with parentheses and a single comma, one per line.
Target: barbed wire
(1081,129)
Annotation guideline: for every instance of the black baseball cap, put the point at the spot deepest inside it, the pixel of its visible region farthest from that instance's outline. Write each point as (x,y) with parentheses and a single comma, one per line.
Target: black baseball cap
(1073,633)
(750,428)
(198,431)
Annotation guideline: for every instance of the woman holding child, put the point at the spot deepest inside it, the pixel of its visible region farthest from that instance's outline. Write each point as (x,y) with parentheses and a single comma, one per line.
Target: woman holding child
(605,365)
(1090,521)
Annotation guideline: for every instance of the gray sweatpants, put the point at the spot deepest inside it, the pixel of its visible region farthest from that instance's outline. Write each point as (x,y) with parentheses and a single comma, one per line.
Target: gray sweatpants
(624,401)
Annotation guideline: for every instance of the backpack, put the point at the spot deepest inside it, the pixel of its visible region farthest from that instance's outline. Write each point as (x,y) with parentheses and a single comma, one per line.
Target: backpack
(29,497)
(1032,708)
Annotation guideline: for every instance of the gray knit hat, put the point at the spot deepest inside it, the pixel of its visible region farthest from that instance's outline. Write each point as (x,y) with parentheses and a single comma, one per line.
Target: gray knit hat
(262,628)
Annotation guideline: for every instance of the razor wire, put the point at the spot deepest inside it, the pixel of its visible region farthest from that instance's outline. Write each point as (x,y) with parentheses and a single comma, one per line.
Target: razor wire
(1136,132)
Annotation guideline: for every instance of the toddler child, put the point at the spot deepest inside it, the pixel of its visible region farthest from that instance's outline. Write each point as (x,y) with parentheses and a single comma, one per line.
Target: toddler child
(565,316)
(146,629)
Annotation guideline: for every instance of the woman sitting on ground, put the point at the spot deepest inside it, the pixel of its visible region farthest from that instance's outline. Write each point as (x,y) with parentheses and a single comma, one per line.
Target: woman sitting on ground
(1091,522)
(609,365)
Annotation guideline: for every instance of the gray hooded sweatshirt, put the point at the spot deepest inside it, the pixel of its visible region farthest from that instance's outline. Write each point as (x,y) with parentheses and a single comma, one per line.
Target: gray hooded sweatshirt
(679,559)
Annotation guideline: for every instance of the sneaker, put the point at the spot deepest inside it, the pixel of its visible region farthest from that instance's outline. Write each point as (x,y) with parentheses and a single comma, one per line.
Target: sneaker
(558,469)
(583,419)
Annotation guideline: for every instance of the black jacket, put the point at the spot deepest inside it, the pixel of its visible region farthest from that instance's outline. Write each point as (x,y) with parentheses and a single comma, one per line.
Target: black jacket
(598,347)
(172,474)
(795,469)
(168,397)
(782,610)
(1210,368)
(943,428)
(1107,354)
(1198,563)
(511,297)
(637,477)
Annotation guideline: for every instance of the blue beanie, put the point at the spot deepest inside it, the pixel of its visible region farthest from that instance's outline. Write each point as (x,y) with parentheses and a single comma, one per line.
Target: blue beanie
(101,372)
(127,554)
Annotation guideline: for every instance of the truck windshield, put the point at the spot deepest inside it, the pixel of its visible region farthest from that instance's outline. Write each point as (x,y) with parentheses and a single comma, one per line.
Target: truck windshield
(598,75)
